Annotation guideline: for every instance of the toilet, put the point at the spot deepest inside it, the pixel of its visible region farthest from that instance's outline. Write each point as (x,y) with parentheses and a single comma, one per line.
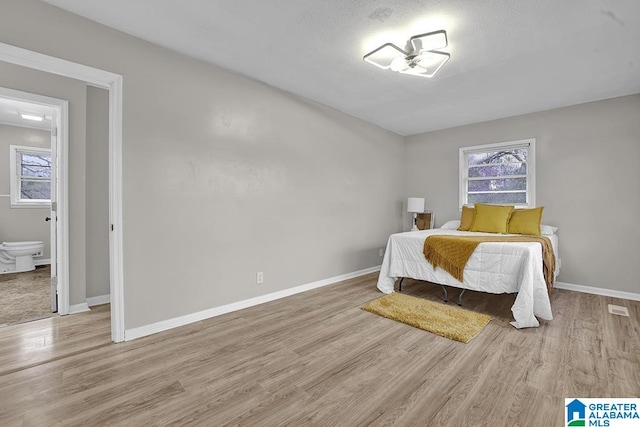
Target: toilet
(18,256)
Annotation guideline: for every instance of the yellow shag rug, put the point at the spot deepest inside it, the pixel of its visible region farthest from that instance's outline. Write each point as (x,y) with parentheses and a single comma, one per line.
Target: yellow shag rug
(444,320)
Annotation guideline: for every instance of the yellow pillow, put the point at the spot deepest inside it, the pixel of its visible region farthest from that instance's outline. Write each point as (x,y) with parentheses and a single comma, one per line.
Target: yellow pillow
(491,218)
(466,219)
(525,221)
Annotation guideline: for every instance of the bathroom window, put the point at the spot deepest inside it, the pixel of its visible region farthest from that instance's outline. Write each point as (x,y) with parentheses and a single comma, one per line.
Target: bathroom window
(30,170)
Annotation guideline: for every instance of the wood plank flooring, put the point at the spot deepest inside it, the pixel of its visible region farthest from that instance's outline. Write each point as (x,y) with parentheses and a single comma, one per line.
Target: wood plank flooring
(25,296)
(317,359)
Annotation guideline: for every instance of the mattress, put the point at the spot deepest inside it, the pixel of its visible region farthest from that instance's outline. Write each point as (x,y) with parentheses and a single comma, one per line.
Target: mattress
(494,267)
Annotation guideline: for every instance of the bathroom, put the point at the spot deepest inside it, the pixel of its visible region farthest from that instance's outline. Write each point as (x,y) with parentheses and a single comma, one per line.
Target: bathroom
(25,136)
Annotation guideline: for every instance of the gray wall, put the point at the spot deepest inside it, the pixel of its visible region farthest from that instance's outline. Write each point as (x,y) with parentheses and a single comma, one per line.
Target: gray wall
(224,176)
(97,192)
(588,180)
(21,224)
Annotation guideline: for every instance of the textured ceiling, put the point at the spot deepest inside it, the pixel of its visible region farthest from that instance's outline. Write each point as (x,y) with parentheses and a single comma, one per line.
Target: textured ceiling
(10,110)
(508,57)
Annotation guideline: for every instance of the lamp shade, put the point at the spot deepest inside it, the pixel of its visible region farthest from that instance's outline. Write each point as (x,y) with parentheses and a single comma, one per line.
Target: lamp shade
(415,204)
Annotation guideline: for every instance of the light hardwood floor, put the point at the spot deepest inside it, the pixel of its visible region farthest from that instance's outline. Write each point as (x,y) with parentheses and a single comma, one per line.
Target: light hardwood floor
(318,359)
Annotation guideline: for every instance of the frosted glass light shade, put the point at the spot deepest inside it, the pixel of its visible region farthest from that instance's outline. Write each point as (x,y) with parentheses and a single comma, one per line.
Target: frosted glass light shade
(429,41)
(415,204)
(34,117)
(426,64)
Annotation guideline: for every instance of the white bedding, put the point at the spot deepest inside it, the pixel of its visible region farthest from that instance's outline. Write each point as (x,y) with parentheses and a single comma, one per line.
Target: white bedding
(494,267)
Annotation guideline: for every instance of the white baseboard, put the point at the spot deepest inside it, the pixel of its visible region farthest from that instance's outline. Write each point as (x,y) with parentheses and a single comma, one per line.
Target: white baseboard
(597,291)
(164,325)
(99,300)
(78,308)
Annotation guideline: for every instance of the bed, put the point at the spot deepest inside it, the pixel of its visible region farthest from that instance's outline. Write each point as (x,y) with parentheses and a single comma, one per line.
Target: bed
(494,267)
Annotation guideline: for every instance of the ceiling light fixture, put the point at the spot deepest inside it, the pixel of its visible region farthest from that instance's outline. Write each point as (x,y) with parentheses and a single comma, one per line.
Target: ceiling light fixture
(419,58)
(34,117)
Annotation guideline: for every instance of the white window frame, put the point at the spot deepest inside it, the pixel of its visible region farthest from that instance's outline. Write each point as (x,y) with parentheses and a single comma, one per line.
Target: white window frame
(15,177)
(530,144)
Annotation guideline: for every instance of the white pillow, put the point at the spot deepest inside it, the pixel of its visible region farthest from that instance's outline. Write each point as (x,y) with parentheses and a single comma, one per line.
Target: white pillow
(547,229)
(544,229)
(451,225)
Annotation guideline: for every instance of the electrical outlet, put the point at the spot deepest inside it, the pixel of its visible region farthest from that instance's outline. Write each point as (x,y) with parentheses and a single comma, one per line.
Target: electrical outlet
(381,252)
(259,277)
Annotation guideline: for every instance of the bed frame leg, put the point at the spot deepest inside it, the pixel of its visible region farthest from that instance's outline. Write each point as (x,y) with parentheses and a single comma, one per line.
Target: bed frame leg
(446,293)
(400,284)
(460,298)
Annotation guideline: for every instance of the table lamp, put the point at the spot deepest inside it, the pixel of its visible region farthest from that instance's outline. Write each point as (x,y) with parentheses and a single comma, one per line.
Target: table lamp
(415,205)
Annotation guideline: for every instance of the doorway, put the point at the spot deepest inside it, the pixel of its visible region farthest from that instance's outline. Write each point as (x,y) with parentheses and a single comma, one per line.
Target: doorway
(36,131)
(114,84)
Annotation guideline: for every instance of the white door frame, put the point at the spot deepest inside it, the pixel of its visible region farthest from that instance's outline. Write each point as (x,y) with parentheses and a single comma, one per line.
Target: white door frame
(59,221)
(113,83)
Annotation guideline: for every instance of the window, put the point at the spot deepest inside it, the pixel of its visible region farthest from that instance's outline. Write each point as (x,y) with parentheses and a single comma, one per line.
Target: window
(30,170)
(502,173)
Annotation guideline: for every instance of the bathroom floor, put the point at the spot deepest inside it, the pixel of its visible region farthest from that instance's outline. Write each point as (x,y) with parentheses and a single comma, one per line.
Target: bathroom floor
(25,296)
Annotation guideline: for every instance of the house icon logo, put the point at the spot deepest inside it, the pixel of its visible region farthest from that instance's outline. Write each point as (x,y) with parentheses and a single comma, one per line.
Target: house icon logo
(576,413)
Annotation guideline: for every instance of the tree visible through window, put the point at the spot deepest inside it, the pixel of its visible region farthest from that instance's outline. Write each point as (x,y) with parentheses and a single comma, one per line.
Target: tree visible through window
(498,174)
(31,176)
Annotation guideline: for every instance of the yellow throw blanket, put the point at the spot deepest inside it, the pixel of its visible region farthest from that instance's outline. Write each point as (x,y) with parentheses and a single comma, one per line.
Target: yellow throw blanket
(451,253)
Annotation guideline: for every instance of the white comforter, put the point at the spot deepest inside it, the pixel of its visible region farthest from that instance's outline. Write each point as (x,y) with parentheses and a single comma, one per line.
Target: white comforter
(494,267)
